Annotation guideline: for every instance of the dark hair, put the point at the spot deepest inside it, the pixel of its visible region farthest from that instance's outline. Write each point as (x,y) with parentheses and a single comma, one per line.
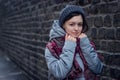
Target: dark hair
(85,26)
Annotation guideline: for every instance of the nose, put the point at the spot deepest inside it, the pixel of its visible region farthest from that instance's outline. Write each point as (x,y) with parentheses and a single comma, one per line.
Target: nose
(76,27)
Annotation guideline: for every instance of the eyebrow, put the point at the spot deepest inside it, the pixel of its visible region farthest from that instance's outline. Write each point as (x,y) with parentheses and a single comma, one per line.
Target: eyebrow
(75,22)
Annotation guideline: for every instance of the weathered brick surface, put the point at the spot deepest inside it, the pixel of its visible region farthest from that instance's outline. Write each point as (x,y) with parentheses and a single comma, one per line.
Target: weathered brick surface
(107,21)
(25,26)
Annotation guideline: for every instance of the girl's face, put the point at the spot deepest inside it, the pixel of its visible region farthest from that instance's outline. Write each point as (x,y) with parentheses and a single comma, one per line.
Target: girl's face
(73,26)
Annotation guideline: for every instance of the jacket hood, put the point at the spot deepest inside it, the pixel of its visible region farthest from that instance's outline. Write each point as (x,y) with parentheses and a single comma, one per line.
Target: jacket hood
(56,30)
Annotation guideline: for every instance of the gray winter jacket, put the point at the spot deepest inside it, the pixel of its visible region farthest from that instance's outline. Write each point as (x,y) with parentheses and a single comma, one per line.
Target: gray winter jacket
(59,68)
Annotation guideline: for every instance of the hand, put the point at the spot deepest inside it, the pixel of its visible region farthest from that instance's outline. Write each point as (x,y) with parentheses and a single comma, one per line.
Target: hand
(70,38)
(82,35)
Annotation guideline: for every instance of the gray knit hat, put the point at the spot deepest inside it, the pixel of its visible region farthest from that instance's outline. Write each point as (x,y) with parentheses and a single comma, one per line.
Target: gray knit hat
(68,10)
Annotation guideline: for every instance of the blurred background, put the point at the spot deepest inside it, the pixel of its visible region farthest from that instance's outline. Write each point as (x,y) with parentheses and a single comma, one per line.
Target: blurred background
(24,32)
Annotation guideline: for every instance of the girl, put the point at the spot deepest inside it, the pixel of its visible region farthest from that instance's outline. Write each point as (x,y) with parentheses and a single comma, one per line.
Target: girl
(69,53)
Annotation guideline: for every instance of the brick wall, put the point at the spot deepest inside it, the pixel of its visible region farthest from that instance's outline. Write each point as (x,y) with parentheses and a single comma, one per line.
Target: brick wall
(25,25)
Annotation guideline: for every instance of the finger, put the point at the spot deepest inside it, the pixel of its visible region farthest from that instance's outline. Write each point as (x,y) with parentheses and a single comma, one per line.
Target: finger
(66,35)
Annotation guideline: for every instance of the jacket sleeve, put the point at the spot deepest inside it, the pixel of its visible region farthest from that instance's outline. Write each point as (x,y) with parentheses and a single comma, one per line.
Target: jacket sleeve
(91,56)
(60,67)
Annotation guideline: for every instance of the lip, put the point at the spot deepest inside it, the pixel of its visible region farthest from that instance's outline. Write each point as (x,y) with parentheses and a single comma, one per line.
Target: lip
(76,34)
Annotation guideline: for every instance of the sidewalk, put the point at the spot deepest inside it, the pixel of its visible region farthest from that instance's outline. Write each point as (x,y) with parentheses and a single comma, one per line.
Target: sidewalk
(8,70)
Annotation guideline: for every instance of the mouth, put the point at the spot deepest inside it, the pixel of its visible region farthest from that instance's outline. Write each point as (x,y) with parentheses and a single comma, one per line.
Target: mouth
(76,34)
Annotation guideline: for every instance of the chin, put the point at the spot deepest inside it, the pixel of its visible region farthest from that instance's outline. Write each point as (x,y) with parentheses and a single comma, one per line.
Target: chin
(75,36)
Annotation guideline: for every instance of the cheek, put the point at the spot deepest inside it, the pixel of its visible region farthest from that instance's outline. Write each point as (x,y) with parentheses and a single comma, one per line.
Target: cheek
(68,30)
(80,29)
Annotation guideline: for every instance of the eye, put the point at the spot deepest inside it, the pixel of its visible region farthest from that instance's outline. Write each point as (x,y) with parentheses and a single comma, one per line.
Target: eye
(72,24)
(80,24)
